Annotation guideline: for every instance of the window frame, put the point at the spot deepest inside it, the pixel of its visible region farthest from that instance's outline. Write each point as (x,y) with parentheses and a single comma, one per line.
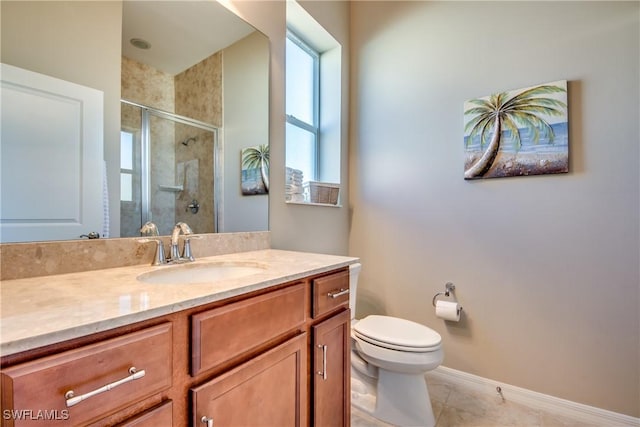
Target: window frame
(313,128)
(134,160)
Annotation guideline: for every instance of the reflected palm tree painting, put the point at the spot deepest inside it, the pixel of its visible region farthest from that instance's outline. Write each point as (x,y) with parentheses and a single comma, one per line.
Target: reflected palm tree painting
(519,132)
(255,170)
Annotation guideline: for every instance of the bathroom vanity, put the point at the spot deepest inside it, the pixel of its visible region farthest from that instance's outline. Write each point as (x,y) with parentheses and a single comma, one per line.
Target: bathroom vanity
(270,347)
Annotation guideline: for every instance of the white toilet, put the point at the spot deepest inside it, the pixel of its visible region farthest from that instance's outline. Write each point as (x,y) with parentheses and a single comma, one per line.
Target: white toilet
(389,357)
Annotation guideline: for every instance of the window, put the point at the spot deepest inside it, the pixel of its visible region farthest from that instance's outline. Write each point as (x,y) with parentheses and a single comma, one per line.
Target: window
(126,166)
(314,99)
(302,107)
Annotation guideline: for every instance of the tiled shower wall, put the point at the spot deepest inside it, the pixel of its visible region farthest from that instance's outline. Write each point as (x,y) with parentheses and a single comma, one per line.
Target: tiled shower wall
(198,92)
(195,93)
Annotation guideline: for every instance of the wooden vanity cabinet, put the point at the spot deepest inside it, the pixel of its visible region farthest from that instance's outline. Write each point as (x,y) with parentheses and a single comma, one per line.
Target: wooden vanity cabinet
(331,347)
(277,356)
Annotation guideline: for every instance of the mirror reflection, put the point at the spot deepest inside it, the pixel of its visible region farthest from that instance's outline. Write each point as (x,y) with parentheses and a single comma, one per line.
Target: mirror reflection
(202,85)
(167,171)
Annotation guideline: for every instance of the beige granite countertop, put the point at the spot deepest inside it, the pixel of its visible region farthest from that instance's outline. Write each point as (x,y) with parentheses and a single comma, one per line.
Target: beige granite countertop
(43,310)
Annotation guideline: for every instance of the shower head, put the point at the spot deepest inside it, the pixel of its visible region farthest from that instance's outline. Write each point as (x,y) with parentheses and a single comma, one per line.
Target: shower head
(188,140)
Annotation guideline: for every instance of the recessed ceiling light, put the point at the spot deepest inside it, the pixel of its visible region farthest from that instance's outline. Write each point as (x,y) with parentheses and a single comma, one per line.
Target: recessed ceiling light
(140,43)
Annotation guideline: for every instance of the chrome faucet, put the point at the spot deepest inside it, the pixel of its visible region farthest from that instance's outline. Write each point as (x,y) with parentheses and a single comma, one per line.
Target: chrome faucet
(186,252)
(150,229)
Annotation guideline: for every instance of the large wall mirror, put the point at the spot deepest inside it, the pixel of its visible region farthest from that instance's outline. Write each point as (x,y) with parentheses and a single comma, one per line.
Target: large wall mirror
(186,87)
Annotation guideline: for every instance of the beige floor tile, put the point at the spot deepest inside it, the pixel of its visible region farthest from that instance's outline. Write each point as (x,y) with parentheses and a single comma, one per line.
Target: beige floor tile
(455,417)
(552,420)
(474,403)
(362,419)
(458,406)
(438,390)
(516,415)
(437,408)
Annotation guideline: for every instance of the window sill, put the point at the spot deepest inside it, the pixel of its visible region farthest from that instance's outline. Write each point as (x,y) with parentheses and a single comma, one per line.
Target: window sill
(314,204)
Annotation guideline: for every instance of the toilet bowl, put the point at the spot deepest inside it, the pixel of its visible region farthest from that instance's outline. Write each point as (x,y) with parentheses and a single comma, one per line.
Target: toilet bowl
(389,357)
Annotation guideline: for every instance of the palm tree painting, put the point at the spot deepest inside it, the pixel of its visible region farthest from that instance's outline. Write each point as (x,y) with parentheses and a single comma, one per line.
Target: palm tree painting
(519,132)
(255,170)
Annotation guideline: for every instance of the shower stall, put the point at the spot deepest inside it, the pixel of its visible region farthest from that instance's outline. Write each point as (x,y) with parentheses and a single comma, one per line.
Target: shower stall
(170,171)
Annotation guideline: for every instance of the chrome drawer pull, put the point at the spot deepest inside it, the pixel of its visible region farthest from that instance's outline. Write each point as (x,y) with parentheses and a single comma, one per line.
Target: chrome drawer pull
(323,373)
(72,399)
(206,420)
(334,294)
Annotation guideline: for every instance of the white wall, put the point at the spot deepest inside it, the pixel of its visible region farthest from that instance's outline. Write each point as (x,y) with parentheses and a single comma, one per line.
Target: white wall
(546,267)
(245,77)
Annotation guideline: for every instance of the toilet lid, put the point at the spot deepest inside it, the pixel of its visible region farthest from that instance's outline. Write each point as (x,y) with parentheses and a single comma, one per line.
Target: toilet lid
(399,334)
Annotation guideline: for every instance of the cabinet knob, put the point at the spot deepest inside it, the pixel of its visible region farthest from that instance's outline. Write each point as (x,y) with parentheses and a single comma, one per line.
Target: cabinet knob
(206,420)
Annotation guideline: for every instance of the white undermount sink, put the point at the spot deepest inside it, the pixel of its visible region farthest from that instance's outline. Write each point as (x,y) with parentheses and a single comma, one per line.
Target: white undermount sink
(200,273)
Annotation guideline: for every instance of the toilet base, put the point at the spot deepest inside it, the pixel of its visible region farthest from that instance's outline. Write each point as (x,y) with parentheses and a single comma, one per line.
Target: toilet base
(398,399)
(403,400)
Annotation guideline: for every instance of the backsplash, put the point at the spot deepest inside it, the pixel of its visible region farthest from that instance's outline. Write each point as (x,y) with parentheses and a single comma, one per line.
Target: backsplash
(22,260)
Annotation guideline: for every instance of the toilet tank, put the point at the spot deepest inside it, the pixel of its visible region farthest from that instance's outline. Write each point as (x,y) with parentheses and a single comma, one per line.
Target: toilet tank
(354,271)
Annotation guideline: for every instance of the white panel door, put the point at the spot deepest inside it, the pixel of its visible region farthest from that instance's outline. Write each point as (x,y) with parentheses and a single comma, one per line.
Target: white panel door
(51,151)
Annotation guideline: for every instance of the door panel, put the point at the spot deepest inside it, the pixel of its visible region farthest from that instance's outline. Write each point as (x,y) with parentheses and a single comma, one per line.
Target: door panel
(52,158)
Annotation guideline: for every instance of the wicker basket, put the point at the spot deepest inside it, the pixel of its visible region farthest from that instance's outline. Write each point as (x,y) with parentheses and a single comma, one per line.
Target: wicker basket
(322,192)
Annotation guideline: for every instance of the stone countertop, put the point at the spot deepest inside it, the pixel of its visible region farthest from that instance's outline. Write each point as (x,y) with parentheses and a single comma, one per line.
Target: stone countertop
(44,310)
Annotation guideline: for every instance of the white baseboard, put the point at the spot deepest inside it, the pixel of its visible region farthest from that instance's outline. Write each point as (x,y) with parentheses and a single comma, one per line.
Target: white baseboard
(535,400)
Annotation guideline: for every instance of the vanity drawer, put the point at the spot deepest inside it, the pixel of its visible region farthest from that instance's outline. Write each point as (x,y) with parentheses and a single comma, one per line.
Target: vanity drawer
(158,416)
(330,292)
(39,387)
(223,333)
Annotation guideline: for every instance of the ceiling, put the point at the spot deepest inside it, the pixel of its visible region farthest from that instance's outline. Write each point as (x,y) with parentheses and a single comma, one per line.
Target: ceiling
(181,33)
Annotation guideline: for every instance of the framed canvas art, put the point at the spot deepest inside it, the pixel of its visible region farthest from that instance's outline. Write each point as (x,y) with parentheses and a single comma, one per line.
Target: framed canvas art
(518,132)
(255,170)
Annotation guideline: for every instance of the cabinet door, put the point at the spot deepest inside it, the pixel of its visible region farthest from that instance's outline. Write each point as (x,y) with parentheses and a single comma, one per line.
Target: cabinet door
(332,371)
(268,390)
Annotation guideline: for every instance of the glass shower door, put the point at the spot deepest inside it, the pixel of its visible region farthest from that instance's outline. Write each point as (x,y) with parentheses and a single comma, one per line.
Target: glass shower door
(177,178)
(181,175)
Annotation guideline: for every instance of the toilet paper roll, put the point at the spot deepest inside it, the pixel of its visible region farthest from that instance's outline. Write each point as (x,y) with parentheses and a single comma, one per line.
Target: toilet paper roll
(448,310)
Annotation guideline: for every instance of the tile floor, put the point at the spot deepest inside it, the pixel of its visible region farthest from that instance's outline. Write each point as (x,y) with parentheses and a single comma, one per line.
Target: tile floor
(454,405)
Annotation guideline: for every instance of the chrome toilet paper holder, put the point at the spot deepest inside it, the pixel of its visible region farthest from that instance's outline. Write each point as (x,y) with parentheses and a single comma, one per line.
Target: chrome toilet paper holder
(448,290)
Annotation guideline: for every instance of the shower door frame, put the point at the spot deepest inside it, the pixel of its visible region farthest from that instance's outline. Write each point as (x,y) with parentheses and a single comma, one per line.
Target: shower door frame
(145,160)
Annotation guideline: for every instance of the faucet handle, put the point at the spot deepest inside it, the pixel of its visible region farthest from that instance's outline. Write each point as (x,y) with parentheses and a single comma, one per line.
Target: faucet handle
(174,256)
(160,258)
(186,250)
(187,255)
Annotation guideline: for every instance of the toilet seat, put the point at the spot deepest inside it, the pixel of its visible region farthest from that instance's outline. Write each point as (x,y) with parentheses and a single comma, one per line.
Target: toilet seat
(397,334)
